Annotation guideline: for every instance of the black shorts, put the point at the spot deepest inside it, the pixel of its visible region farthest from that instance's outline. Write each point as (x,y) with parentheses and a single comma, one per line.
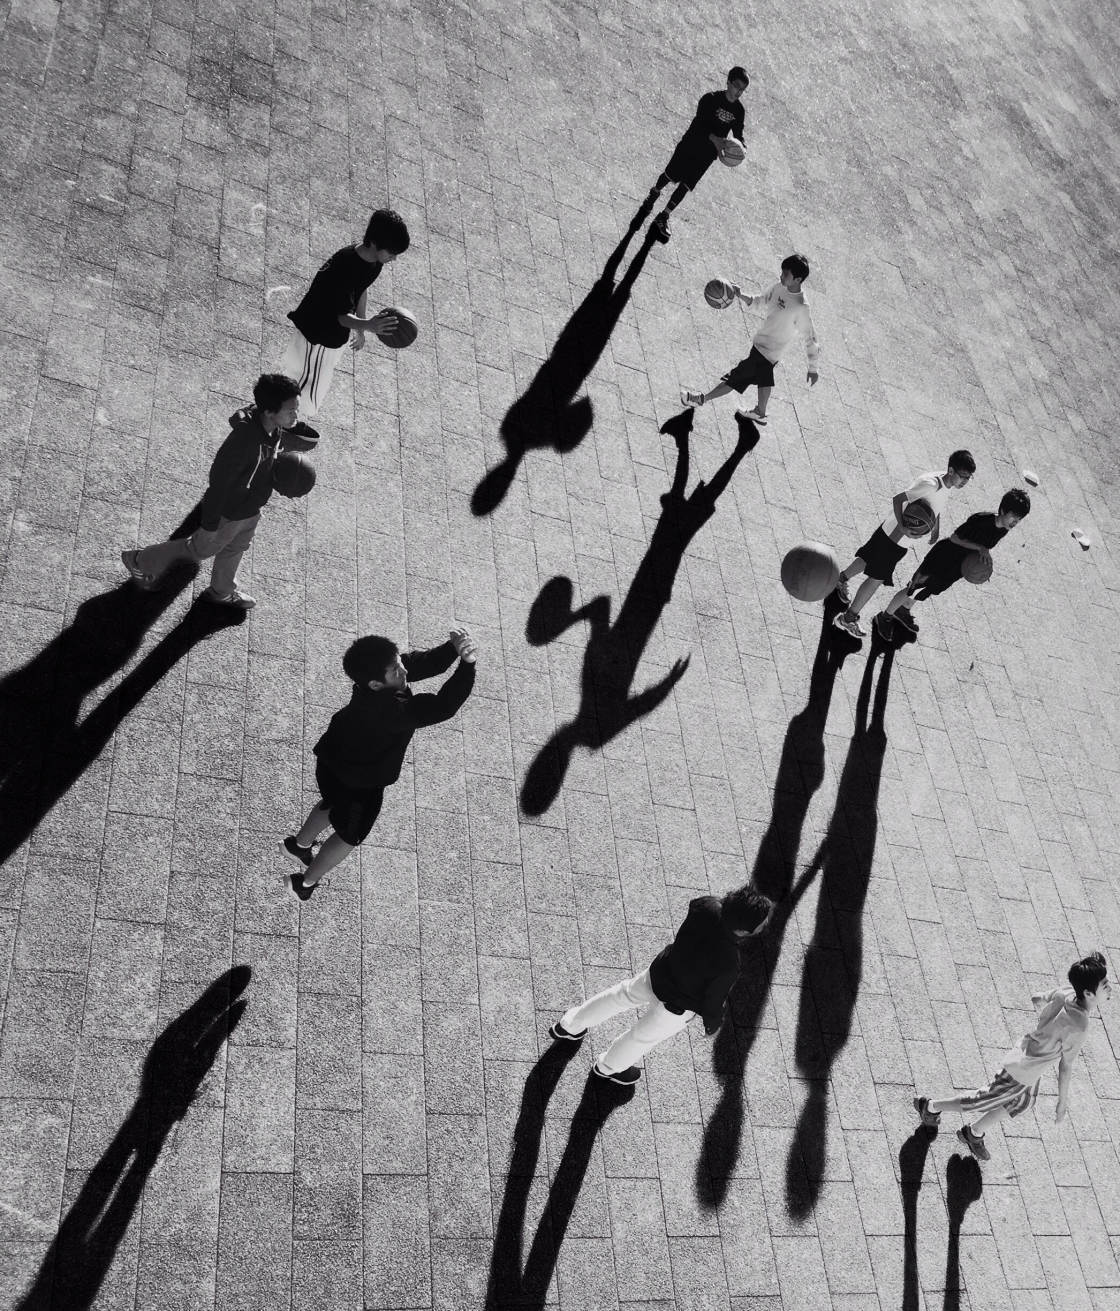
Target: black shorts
(880,555)
(755,371)
(353,811)
(937,572)
(690,161)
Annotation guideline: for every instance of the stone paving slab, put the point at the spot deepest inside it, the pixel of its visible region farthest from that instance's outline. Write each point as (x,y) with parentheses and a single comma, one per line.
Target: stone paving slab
(387,1125)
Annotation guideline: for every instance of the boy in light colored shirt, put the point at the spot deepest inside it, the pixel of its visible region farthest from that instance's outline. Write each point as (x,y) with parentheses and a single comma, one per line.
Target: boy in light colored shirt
(788,314)
(1056,1040)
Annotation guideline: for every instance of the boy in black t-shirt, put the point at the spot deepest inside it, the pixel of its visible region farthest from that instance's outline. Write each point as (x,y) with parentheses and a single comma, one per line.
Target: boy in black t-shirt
(335,305)
(719,116)
(942,565)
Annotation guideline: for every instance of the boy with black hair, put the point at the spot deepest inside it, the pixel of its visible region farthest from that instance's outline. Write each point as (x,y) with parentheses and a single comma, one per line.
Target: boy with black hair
(719,116)
(335,305)
(239,488)
(1055,1040)
(362,751)
(691,977)
(788,313)
(878,556)
(944,563)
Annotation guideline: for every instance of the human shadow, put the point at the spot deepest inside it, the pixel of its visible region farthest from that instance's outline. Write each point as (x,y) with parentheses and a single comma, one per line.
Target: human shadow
(964,1184)
(614,650)
(45,743)
(911,1167)
(833,962)
(548,413)
(524,1284)
(800,774)
(83,1249)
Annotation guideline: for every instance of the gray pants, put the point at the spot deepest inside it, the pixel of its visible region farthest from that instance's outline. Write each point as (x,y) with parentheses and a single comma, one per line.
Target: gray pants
(226,544)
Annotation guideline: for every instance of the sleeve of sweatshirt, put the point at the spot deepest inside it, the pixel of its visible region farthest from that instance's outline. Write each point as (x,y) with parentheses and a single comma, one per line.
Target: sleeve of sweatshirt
(715,998)
(230,474)
(434,707)
(812,345)
(427,664)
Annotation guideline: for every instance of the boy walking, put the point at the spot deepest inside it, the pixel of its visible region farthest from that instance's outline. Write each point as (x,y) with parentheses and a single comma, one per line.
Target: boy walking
(719,116)
(335,305)
(788,313)
(239,488)
(943,564)
(1056,1040)
(691,977)
(878,556)
(362,751)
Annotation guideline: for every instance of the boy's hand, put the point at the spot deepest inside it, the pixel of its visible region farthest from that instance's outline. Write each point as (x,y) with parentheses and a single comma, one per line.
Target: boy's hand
(811,377)
(384,321)
(464,644)
(358,341)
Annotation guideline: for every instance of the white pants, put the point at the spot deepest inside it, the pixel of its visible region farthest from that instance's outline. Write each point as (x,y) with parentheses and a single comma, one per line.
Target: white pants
(654,1027)
(226,544)
(312,367)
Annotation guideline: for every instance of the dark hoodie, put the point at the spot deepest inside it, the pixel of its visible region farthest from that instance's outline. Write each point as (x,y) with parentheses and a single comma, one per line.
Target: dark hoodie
(696,971)
(241,475)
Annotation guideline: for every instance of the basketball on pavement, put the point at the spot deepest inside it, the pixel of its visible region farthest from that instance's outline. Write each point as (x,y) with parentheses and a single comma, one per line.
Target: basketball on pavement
(810,571)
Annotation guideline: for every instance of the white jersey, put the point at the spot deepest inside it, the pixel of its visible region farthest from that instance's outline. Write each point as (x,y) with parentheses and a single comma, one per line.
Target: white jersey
(788,315)
(928,487)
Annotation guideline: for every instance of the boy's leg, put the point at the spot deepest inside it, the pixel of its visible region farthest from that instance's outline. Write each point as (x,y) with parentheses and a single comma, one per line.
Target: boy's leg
(763,401)
(236,536)
(690,397)
(612,1001)
(867,590)
(155,560)
(313,825)
(331,853)
(661,222)
(656,1024)
(897,600)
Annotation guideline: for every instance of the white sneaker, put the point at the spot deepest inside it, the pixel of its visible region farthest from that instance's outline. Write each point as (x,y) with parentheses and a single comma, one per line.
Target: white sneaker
(759,420)
(693,398)
(850,624)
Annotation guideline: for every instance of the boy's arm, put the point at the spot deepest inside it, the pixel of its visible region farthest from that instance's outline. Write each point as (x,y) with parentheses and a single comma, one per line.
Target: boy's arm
(715,999)
(435,707)
(427,664)
(983,551)
(935,531)
(812,347)
(1065,1073)
(231,471)
(763,297)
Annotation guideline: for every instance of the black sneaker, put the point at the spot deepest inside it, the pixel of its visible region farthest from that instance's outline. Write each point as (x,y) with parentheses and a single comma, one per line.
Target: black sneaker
(561,1034)
(883,624)
(975,1143)
(931,1119)
(660,228)
(905,616)
(304,891)
(130,560)
(292,847)
(625,1077)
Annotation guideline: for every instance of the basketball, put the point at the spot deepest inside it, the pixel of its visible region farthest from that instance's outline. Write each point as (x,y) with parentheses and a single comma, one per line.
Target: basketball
(404,334)
(293,474)
(918,518)
(732,153)
(718,293)
(975,568)
(810,571)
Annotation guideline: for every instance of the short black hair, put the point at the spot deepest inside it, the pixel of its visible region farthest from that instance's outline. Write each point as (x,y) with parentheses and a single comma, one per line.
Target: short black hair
(738,74)
(798,265)
(745,909)
(386,230)
(368,658)
(962,462)
(271,390)
(1016,501)
(1088,973)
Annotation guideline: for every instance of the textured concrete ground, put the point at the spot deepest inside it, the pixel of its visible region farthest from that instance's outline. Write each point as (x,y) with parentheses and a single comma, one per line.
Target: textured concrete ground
(387,1125)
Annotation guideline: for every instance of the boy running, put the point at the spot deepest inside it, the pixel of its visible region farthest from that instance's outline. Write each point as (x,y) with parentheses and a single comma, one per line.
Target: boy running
(240,487)
(1056,1040)
(878,556)
(943,564)
(788,313)
(719,116)
(362,751)
(335,305)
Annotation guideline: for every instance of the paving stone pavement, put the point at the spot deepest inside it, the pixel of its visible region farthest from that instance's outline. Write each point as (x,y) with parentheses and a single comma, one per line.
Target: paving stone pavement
(388,1125)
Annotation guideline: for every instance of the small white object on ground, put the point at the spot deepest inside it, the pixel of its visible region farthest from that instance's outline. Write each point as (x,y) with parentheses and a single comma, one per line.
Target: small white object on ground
(1080,538)
(1030,476)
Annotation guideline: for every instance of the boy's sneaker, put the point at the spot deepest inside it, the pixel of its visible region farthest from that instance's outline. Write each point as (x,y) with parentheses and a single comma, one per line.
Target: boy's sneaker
(236,600)
(660,227)
(130,560)
(292,847)
(692,398)
(756,416)
(905,616)
(843,592)
(883,624)
(627,1078)
(931,1119)
(850,624)
(304,891)
(975,1143)
(561,1034)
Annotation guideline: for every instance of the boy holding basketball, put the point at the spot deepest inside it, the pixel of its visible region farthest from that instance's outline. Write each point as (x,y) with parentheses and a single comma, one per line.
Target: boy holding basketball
(239,488)
(362,751)
(909,517)
(719,117)
(1055,1041)
(335,305)
(788,313)
(945,562)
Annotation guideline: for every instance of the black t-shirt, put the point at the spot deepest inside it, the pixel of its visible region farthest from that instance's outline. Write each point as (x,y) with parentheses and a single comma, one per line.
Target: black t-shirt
(335,289)
(943,560)
(696,971)
(716,114)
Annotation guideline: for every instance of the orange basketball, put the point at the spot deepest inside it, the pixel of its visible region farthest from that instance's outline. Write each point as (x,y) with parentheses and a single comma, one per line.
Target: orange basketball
(975,568)
(810,571)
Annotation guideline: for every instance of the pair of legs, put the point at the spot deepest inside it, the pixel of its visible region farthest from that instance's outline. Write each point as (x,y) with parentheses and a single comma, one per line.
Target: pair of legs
(661,222)
(312,366)
(226,545)
(350,811)
(656,1024)
(755,371)
(876,558)
(1002,1099)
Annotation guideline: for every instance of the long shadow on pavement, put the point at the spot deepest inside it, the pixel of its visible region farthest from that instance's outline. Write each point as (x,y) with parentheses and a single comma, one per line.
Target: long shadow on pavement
(614,651)
(83,1249)
(833,962)
(800,774)
(964,1184)
(525,1284)
(911,1168)
(547,414)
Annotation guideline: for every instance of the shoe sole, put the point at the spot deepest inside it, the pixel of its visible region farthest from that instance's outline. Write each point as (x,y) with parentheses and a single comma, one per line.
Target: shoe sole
(980,1155)
(566,1036)
(613,1078)
(304,861)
